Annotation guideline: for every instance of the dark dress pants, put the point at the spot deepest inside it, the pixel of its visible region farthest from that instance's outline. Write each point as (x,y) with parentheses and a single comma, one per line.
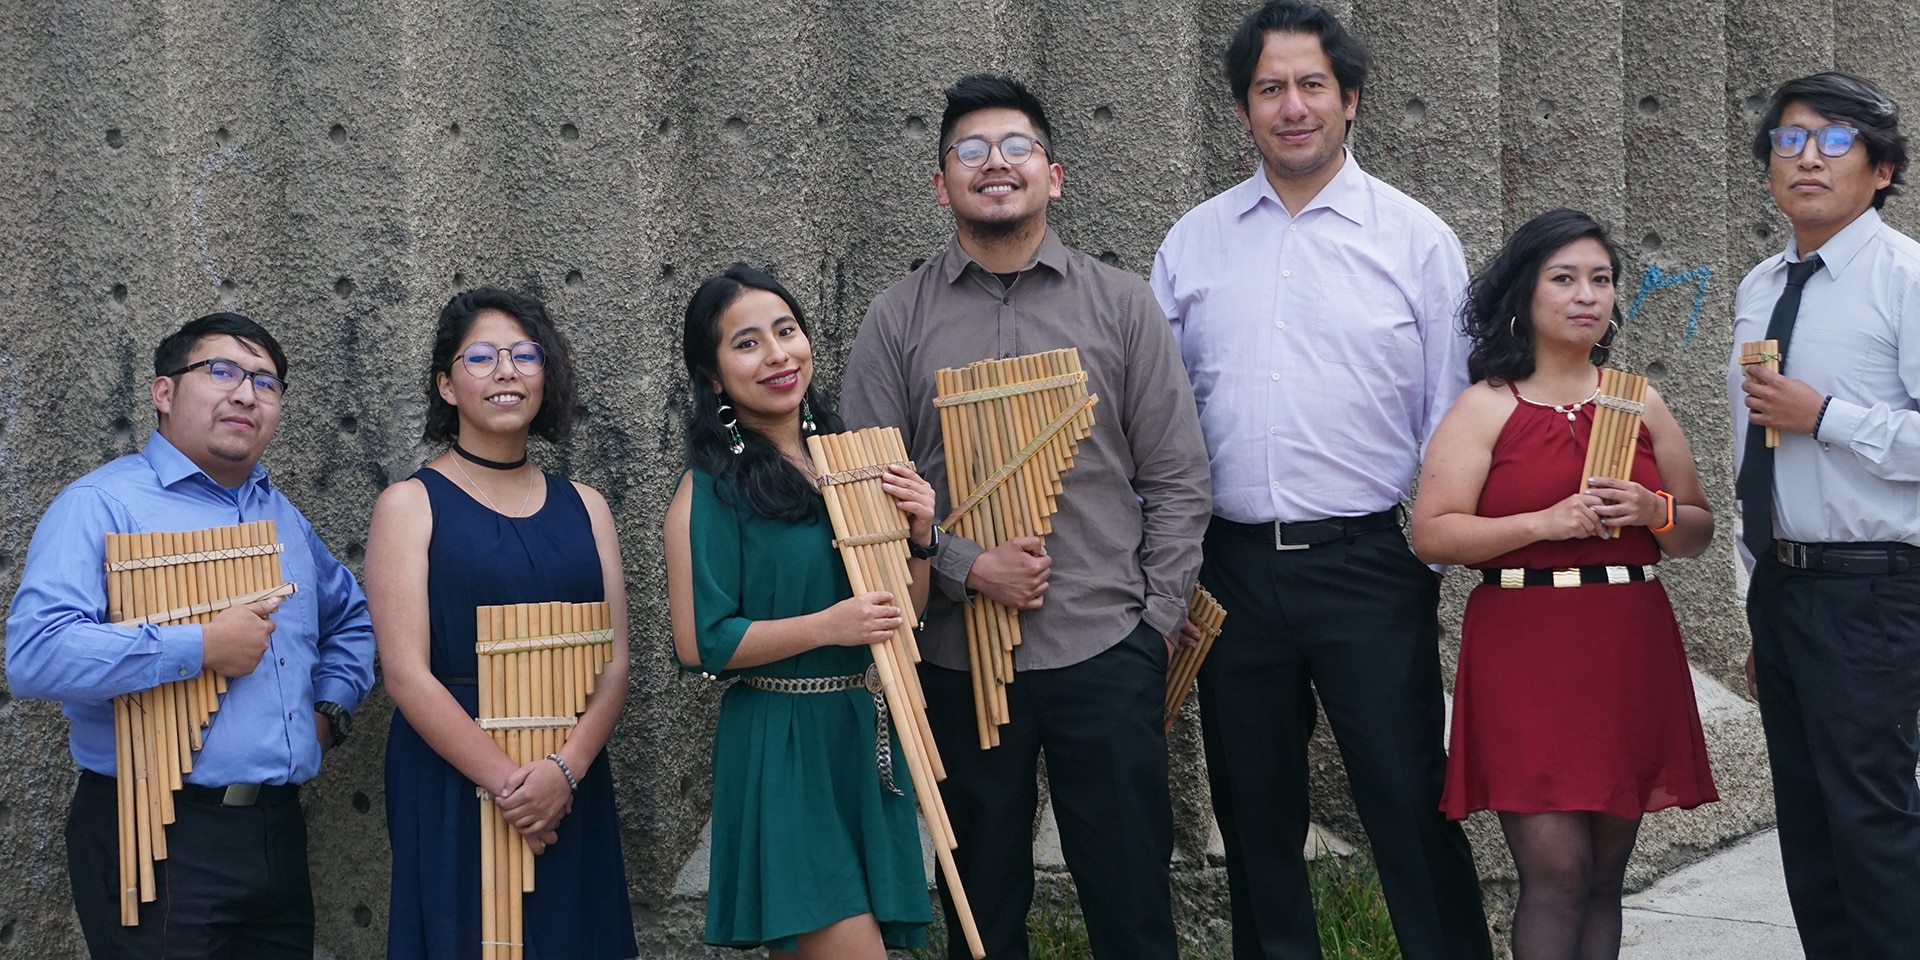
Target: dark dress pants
(1356,621)
(234,885)
(1099,723)
(1837,658)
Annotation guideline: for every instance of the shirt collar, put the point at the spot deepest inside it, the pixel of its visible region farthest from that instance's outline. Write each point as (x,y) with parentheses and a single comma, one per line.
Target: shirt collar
(1345,194)
(171,466)
(1052,254)
(1842,247)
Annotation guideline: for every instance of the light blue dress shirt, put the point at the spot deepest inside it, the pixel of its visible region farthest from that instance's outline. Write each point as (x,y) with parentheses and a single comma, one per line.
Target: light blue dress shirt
(60,647)
(1323,348)
(1857,339)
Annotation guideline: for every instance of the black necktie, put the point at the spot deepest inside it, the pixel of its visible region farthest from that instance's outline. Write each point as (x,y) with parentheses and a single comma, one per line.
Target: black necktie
(1755,484)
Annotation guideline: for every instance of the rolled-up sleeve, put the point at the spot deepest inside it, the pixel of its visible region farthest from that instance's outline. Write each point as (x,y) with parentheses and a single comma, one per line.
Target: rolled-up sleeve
(719,624)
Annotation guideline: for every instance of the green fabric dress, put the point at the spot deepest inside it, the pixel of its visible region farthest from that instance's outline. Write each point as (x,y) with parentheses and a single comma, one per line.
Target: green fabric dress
(804,833)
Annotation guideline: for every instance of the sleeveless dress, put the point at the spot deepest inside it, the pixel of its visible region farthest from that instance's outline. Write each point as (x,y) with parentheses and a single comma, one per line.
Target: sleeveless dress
(1570,699)
(579,908)
(804,833)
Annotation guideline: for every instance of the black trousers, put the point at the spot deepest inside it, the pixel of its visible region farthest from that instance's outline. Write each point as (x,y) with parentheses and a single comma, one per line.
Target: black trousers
(1356,621)
(1099,722)
(234,885)
(1837,657)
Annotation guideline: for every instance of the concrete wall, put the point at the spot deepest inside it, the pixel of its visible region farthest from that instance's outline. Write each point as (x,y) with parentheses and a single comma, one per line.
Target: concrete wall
(337,170)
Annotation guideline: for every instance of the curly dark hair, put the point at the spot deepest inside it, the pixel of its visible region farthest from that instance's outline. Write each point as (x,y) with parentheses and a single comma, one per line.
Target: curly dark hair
(557,394)
(770,486)
(1498,314)
(1849,99)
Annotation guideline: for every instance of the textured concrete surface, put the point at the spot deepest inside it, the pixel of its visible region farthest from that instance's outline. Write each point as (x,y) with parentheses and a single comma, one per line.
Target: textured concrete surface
(1730,906)
(339,169)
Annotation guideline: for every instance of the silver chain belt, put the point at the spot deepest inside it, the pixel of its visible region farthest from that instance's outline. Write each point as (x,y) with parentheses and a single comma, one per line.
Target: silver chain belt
(868,681)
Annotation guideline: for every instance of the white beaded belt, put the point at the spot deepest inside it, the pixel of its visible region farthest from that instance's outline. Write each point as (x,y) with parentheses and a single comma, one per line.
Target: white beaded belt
(1516,578)
(868,681)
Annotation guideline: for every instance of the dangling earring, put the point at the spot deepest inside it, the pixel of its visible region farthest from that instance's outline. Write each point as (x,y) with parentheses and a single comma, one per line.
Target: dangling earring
(728,420)
(1613,334)
(1510,330)
(806,417)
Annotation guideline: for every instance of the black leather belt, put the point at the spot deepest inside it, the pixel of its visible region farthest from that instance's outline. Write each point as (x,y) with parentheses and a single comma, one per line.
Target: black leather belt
(1860,558)
(1306,533)
(234,795)
(1516,577)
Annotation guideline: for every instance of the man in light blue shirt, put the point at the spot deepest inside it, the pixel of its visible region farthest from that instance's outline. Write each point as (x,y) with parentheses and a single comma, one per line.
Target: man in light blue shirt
(1316,309)
(235,882)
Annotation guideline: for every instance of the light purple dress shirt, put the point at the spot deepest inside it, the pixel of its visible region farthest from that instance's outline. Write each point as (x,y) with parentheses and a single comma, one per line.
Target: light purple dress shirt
(1323,348)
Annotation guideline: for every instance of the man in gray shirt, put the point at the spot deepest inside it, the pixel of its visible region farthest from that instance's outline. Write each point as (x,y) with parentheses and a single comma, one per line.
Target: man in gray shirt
(1105,597)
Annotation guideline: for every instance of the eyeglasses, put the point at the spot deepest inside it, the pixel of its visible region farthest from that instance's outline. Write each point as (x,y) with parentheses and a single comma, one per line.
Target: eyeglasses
(1833,141)
(481,358)
(227,375)
(1015,149)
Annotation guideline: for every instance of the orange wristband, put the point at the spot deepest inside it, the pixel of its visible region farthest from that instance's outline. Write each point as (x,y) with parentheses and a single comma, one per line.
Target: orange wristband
(1663,528)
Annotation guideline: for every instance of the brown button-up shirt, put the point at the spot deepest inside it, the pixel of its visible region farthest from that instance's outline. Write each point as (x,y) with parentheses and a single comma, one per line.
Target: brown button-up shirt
(1126,542)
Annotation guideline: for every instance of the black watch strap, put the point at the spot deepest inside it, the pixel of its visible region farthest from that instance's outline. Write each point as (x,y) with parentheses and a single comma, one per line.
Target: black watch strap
(339,721)
(919,552)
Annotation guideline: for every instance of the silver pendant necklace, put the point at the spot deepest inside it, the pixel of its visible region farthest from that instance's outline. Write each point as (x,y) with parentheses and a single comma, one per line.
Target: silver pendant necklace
(489,500)
(1571,410)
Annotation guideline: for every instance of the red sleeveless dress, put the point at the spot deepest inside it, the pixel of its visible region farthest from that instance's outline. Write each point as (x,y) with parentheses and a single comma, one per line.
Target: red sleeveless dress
(1570,699)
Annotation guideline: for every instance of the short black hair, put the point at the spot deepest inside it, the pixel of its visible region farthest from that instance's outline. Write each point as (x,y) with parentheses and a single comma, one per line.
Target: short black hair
(172,353)
(1498,314)
(557,394)
(1349,55)
(1849,99)
(987,91)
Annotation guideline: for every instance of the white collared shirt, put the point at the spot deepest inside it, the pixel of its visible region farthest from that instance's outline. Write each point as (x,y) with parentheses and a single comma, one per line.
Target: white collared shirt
(1323,348)
(1857,339)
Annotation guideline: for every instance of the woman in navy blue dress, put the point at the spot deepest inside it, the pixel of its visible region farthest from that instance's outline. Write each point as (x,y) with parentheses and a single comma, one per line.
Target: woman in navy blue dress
(480,525)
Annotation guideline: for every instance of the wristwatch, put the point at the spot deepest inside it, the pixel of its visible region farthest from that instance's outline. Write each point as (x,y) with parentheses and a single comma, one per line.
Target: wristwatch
(338,720)
(919,552)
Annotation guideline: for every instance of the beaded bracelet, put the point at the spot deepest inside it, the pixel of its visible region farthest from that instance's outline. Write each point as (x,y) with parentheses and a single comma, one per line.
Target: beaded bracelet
(565,771)
(1822,418)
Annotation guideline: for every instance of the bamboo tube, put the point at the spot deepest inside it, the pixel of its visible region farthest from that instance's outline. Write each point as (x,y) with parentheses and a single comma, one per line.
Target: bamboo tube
(142,800)
(1763,353)
(123,787)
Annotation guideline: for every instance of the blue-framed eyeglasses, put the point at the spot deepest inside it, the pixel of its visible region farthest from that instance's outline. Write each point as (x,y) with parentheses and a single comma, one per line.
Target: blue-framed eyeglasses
(1015,149)
(227,375)
(1832,141)
(480,359)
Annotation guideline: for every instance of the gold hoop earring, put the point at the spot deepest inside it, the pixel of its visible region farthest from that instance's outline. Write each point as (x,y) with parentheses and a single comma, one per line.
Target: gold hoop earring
(1613,334)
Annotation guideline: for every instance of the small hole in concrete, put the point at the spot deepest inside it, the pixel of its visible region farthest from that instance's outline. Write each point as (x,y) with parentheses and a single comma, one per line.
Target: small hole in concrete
(1544,108)
(915,265)
(362,916)
(114,139)
(121,427)
(119,293)
(569,132)
(459,281)
(1416,109)
(356,552)
(221,136)
(665,127)
(337,133)
(6,818)
(1650,244)
(343,288)
(666,271)
(1656,370)
(6,560)
(915,127)
(6,933)
(349,425)
(360,802)
(1762,231)
(1102,114)
(228,286)
(453,130)
(736,126)
(1649,105)
(686,787)
(574,279)
(1110,258)
(1756,105)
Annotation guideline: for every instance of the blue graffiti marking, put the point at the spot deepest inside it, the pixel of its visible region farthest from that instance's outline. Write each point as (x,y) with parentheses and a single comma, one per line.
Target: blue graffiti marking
(1655,278)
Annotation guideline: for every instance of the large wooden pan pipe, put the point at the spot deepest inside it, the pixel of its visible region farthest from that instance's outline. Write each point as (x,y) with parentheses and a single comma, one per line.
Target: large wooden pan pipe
(1010,428)
(1206,612)
(1616,427)
(871,534)
(1765,353)
(162,579)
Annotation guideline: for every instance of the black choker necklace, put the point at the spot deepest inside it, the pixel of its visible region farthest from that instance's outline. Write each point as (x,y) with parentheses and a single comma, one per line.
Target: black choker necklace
(489,464)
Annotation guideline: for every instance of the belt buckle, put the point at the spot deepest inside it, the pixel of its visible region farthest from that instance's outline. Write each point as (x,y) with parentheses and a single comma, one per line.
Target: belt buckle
(1279,543)
(1513,578)
(241,795)
(1790,553)
(1566,576)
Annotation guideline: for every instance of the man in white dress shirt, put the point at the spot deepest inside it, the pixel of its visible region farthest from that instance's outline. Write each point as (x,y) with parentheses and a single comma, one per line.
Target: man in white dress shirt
(1831,516)
(1317,313)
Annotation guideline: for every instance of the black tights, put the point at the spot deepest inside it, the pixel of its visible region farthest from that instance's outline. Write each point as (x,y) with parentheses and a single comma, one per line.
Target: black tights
(1571,866)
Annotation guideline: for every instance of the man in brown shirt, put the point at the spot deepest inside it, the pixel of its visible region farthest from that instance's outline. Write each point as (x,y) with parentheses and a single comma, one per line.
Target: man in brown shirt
(1105,597)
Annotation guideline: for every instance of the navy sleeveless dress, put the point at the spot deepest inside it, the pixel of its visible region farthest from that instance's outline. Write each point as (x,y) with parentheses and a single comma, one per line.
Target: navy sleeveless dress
(579,908)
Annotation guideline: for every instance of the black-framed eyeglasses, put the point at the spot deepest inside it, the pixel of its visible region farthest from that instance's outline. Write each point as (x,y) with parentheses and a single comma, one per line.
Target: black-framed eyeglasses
(1832,141)
(227,375)
(1015,149)
(480,359)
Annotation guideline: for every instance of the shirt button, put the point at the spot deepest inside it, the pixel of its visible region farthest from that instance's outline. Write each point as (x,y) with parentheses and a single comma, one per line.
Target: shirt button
(1275,484)
(1286,273)
(1280,324)
(283,661)
(289,716)
(1276,376)
(1006,299)
(1291,227)
(1273,431)
(183,672)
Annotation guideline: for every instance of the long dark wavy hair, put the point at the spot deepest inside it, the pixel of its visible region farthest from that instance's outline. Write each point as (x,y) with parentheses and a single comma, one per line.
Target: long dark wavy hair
(1498,314)
(758,477)
(557,394)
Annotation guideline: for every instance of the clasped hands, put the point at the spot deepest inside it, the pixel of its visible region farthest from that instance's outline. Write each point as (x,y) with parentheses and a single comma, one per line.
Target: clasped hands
(533,800)
(1606,503)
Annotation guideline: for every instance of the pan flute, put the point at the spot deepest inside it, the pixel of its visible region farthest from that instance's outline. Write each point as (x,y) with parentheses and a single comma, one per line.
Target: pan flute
(1616,427)
(173,578)
(538,662)
(1206,612)
(1765,353)
(871,533)
(1010,428)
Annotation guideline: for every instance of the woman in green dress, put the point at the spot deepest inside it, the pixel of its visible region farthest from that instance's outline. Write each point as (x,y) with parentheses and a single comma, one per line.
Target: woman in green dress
(815,850)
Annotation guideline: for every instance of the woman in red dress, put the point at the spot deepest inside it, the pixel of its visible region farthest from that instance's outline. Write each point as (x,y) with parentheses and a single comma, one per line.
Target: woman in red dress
(1573,708)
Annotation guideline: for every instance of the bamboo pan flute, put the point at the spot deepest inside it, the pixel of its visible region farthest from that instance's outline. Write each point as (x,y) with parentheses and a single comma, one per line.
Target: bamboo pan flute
(1765,353)
(173,578)
(1010,427)
(1616,428)
(871,534)
(1204,610)
(538,662)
